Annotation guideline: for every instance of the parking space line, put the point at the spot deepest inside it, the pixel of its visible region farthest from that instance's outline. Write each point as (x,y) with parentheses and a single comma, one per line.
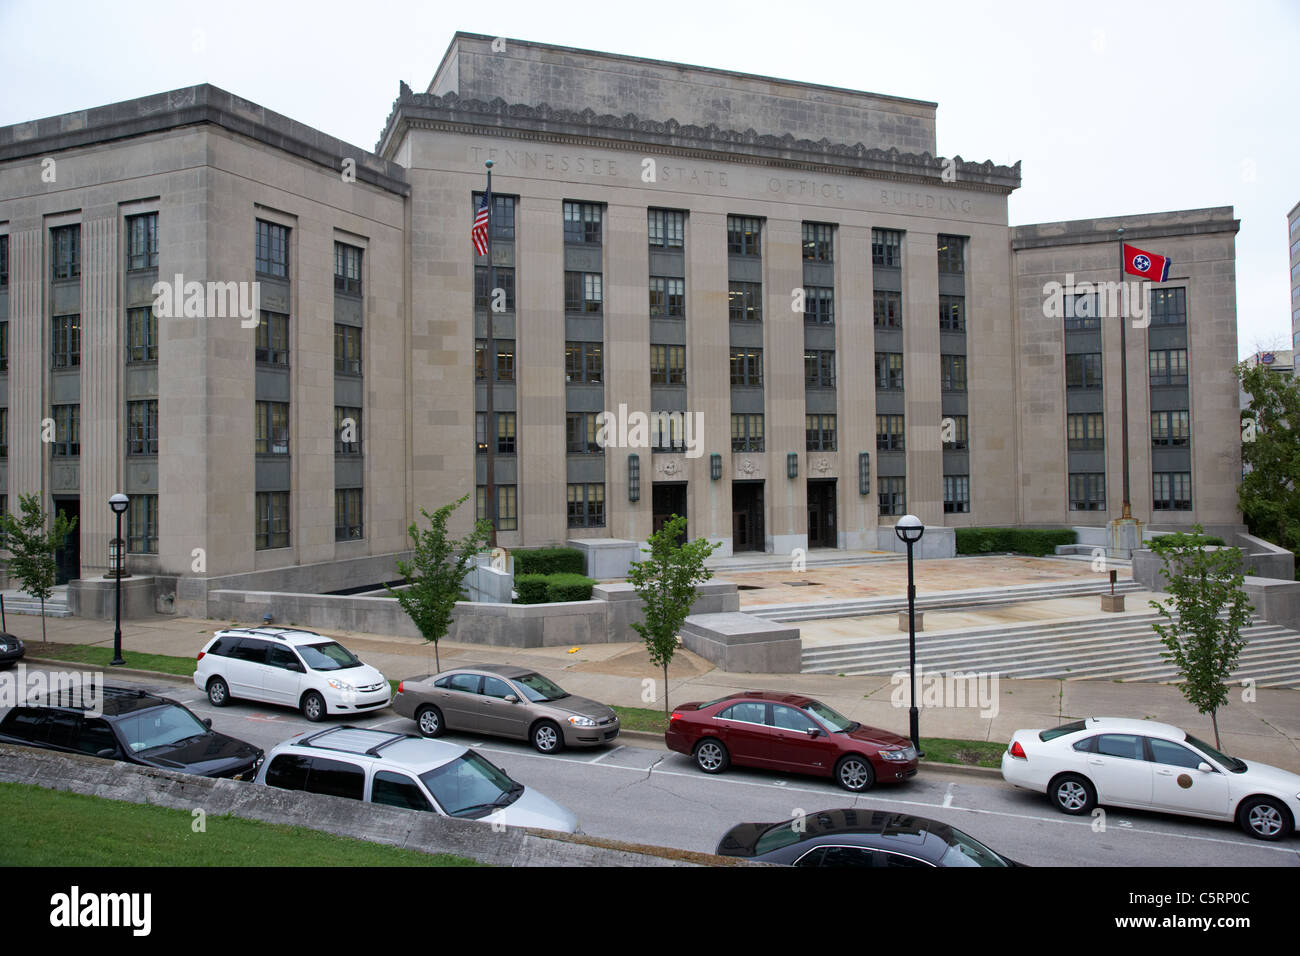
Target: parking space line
(608,753)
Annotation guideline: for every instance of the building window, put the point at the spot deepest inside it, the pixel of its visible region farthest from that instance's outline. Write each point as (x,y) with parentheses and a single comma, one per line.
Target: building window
(959,433)
(485,296)
(584,363)
(507,501)
(667,431)
(4,262)
(142,525)
(1088,492)
(819,368)
(272,345)
(952,313)
(889,370)
(580,430)
(272,520)
(1171,429)
(141,335)
(142,427)
(4,433)
(1168,306)
(4,346)
(582,292)
(889,433)
(747,432)
(667,297)
(66,251)
(818,242)
(348,524)
(272,249)
(1082,312)
(65,341)
(142,242)
(272,428)
(347,430)
(587,505)
(887,248)
(952,255)
(743,236)
(67,431)
(1083,370)
(347,349)
(1171,491)
(347,269)
(502,218)
(1085,432)
(887,309)
(582,222)
(747,367)
(952,373)
(956,494)
(506,442)
(893,496)
(745,301)
(819,432)
(667,228)
(819,305)
(505,364)
(667,365)
(1168,366)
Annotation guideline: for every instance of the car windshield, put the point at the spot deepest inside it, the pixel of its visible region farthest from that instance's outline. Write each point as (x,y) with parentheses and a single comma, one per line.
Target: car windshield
(965,850)
(470,786)
(538,688)
(1232,763)
(834,722)
(1061,731)
(329,656)
(160,727)
(783,834)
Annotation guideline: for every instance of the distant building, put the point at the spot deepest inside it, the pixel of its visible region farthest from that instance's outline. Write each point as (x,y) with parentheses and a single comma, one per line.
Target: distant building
(1293,231)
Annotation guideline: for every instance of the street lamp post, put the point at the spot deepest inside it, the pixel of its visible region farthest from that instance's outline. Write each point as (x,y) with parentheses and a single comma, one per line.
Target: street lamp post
(119,503)
(909,530)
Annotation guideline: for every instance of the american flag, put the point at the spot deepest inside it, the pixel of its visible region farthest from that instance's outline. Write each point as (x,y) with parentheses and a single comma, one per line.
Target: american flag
(479,231)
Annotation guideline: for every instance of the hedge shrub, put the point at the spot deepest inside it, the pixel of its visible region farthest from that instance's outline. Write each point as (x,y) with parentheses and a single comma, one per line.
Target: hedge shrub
(1207,540)
(531,588)
(1035,542)
(548,561)
(548,588)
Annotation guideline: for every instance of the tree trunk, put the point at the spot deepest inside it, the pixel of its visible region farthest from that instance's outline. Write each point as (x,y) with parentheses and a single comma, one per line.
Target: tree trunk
(1214,719)
(437,664)
(43,641)
(666,691)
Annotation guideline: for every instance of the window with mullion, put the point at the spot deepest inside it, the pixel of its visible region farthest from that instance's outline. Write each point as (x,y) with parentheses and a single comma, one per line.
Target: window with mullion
(65,242)
(65,341)
(890,433)
(584,363)
(887,248)
(818,242)
(887,309)
(1168,306)
(666,228)
(952,255)
(747,432)
(952,313)
(348,514)
(272,520)
(142,525)
(889,370)
(272,253)
(952,373)
(1171,491)
(142,427)
(272,342)
(485,294)
(819,432)
(505,363)
(580,430)
(1168,366)
(4,432)
(347,349)
(1088,492)
(667,365)
(1085,431)
(507,506)
(347,430)
(819,305)
(4,261)
(744,236)
(1171,429)
(271,428)
(956,494)
(1083,370)
(960,435)
(347,269)
(582,223)
(587,505)
(747,367)
(667,297)
(501,220)
(142,242)
(583,292)
(141,336)
(745,301)
(67,431)
(819,368)
(892,495)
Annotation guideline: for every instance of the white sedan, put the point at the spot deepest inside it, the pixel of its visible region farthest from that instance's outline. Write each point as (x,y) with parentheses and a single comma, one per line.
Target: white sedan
(1143,765)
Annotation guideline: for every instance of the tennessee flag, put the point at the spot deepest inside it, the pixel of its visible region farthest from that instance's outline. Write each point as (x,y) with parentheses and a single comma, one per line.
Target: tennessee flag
(1148,265)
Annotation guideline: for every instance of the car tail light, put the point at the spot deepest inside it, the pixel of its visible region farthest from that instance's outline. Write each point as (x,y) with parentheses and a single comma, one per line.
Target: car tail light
(400,684)
(200,657)
(1017,750)
(674,716)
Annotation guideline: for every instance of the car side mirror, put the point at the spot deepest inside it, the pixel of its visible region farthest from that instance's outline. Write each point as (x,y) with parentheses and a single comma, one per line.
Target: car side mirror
(1205,767)
(511,699)
(207,722)
(814,732)
(108,752)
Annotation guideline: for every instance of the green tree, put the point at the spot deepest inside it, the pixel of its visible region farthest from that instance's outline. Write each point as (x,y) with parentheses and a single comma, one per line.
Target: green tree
(1269,494)
(436,572)
(1202,629)
(31,547)
(666,583)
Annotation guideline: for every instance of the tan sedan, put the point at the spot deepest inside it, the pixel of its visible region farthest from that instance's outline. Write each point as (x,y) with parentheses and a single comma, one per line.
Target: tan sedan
(506,702)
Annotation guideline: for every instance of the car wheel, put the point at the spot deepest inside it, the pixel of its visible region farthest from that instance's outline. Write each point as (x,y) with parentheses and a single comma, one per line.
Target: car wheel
(1072,794)
(854,773)
(313,706)
(1264,818)
(547,737)
(711,756)
(429,720)
(218,692)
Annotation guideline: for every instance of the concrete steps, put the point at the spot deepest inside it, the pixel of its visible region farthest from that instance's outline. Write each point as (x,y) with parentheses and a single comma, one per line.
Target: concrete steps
(25,605)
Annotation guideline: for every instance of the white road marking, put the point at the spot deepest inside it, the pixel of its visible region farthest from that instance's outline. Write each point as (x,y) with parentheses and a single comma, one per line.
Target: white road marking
(608,753)
(947,797)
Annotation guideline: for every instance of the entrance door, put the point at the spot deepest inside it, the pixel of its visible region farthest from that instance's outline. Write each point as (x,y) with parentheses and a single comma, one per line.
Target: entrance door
(747,516)
(821,513)
(669,500)
(67,557)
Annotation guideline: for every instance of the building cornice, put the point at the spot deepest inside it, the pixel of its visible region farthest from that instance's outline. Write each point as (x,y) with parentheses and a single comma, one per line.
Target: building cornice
(541,123)
(1193,222)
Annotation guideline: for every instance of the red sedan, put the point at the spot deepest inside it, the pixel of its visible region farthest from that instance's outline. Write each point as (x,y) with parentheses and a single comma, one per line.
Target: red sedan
(790,733)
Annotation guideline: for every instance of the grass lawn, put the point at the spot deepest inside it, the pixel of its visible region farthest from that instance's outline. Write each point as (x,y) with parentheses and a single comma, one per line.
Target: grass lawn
(54,828)
(100,657)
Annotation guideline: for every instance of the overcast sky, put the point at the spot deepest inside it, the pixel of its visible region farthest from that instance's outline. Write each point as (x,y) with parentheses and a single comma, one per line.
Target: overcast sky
(1113,107)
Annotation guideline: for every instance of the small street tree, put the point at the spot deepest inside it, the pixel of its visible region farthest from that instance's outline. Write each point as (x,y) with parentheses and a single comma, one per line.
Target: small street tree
(666,583)
(31,547)
(1203,618)
(436,572)
(1269,494)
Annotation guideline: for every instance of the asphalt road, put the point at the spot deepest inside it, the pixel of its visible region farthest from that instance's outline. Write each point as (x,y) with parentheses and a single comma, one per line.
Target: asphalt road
(641,794)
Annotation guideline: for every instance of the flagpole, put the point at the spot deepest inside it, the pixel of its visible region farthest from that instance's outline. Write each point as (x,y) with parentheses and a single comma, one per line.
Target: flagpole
(1123,379)
(490,370)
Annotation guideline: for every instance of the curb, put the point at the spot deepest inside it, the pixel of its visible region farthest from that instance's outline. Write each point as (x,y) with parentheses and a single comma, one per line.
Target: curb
(82,666)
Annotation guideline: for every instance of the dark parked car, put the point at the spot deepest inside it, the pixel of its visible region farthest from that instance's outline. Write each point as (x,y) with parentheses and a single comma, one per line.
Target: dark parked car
(871,838)
(790,733)
(137,727)
(11,650)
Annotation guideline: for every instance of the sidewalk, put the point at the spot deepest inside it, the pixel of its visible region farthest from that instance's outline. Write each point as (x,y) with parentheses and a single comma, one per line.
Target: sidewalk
(1267,729)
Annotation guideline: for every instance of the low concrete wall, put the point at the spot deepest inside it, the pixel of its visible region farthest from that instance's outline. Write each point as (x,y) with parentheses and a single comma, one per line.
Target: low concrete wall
(744,644)
(96,598)
(487,583)
(371,615)
(607,557)
(531,625)
(1276,601)
(411,829)
(937,542)
(1265,559)
(624,607)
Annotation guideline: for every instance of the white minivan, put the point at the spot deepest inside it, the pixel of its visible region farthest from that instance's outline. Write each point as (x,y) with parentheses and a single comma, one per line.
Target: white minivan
(301,669)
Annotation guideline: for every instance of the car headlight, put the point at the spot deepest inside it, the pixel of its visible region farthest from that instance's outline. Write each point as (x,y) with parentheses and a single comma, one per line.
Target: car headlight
(907,753)
(580,721)
(340,684)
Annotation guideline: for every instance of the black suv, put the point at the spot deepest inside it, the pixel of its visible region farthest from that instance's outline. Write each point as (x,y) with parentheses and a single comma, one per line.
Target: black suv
(137,727)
